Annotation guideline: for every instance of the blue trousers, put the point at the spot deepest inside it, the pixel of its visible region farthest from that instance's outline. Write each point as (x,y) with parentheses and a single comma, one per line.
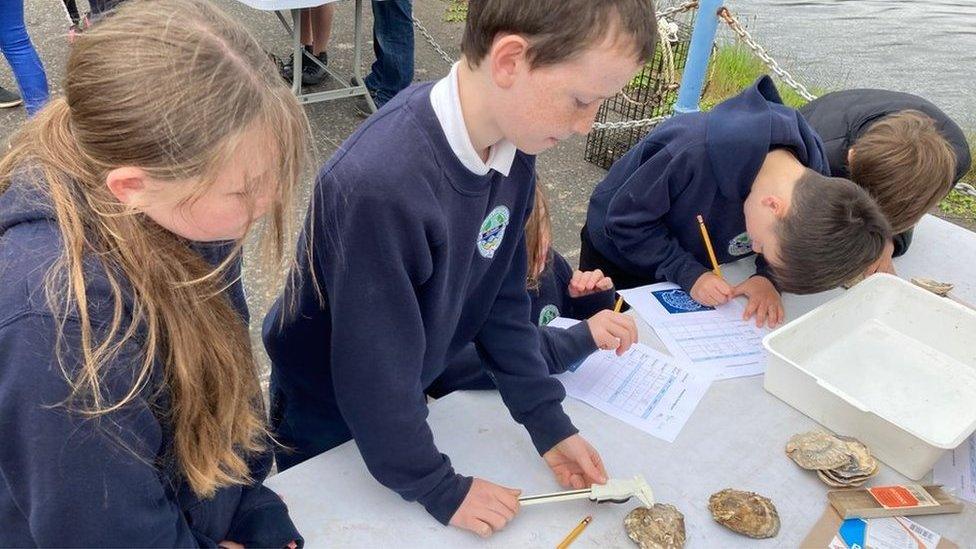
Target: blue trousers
(393,46)
(20,53)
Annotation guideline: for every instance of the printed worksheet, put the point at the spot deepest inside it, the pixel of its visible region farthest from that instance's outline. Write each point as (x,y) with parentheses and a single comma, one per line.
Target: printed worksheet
(956,471)
(715,340)
(644,388)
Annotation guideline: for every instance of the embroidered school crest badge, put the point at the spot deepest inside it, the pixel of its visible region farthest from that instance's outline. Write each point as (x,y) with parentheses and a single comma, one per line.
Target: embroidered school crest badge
(740,245)
(547,314)
(493,231)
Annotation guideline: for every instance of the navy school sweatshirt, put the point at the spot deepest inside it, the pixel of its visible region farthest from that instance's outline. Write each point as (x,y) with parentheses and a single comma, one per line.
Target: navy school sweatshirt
(842,117)
(416,257)
(562,349)
(642,216)
(106,482)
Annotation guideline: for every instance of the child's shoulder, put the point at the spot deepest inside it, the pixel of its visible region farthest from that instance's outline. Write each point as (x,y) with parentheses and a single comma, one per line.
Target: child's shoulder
(391,148)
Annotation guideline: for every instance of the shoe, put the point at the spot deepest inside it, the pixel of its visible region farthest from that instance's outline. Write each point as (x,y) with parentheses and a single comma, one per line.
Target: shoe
(312,73)
(9,99)
(362,107)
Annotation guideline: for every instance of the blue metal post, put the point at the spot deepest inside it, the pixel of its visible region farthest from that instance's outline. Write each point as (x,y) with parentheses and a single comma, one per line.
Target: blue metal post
(701,49)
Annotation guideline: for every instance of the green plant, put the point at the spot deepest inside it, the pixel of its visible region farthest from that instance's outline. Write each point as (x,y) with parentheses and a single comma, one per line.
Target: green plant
(733,68)
(456,12)
(959,205)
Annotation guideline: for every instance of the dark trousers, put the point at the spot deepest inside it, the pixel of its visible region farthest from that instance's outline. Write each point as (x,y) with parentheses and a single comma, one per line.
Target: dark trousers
(393,46)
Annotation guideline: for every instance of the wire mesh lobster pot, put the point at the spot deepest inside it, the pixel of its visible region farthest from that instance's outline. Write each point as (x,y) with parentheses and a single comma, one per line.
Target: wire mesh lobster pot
(652,93)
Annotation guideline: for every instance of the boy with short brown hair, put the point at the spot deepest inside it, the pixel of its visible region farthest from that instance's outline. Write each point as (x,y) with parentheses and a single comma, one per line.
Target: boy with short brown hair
(901,148)
(416,234)
(755,170)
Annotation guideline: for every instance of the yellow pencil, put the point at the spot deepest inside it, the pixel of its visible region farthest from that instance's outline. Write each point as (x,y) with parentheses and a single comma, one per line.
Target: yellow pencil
(575,533)
(619,305)
(708,246)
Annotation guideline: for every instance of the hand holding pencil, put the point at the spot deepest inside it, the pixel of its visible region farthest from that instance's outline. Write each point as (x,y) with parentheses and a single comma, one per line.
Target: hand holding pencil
(711,289)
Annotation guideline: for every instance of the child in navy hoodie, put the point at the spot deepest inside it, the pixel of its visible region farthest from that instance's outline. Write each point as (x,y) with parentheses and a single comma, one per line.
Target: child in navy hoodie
(555,290)
(900,147)
(756,172)
(417,251)
(130,410)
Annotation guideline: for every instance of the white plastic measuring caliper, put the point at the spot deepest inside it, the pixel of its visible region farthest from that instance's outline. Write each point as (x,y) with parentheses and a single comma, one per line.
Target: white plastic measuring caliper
(615,490)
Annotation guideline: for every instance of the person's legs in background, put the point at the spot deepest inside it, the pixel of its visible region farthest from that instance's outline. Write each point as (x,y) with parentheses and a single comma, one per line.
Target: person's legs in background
(20,53)
(316,32)
(393,46)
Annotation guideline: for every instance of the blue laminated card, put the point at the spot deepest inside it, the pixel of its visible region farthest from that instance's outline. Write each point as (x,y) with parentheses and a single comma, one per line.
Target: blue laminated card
(678,301)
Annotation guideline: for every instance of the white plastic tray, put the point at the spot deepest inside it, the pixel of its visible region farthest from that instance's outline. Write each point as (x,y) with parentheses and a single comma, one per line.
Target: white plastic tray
(889,363)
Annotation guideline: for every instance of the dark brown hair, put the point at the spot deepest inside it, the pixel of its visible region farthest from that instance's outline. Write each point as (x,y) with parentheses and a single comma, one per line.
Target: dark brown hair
(833,231)
(906,165)
(558,29)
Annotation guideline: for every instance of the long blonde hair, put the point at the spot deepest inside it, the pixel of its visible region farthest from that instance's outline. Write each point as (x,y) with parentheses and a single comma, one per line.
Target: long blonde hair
(171,87)
(537,229)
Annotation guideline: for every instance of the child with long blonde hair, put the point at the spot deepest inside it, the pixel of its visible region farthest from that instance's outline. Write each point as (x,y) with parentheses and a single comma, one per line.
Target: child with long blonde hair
(130,404)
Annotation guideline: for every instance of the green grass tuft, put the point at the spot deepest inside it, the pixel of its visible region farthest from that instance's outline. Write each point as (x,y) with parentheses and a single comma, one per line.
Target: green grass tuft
(733,68)
(456,11)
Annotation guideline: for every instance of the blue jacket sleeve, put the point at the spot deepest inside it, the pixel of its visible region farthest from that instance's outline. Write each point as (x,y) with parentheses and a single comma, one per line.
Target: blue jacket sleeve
(902,241)
(564,350)
(80,482)
(635,220)
(510,345)
(261,518)
(378,344)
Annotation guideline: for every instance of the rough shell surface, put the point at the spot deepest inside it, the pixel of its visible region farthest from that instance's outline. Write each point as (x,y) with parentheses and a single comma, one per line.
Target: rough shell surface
(817,450)
(747,513)
(659,527)
(860,462)
(934,286)
(831,479)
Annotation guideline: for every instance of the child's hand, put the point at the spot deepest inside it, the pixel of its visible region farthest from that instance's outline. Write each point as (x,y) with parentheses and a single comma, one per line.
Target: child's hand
(575,463)
(884,263)
(613,331)
(711,290)
(764,301)
(589,282)
(487,508)
(230,545)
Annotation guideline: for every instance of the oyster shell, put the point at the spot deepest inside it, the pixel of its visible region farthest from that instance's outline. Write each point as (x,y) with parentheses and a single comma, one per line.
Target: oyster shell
(817,450)
(659,527)
(839,461)
(747,513)
(934,286)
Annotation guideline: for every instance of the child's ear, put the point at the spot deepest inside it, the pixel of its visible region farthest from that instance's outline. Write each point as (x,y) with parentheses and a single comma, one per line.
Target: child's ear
(127,184)
(776,205)
(850,156)
(507,57)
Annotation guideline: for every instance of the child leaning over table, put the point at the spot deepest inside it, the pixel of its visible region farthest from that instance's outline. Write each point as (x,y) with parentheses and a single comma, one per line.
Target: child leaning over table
(417,251)
(756,172)
(555,290)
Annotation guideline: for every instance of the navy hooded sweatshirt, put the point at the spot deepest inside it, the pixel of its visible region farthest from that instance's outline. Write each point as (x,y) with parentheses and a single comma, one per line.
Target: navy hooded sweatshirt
(415,257)
(841,118)
(563,349)
(642,217)
(106,482)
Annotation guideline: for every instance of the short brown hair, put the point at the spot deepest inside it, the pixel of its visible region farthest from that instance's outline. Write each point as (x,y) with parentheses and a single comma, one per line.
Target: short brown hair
(557,29)
(906,165)
(832,232)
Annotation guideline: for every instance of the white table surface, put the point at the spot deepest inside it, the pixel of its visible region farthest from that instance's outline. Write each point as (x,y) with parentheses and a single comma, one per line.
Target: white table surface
(735,439)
